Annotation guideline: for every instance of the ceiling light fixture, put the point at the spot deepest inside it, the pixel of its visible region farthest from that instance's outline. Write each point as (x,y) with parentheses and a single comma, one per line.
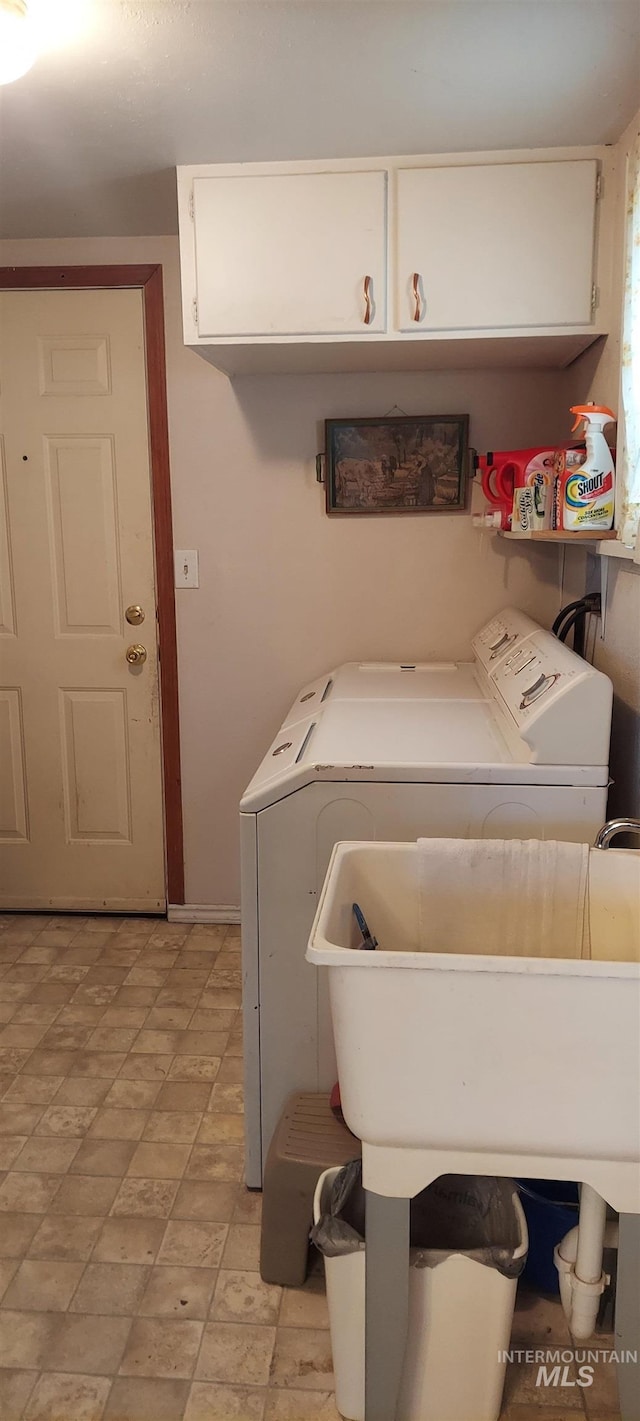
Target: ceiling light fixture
(17,41)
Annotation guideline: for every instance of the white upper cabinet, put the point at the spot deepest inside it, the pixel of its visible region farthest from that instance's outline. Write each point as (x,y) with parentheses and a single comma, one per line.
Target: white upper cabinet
(290,254)
(495,246)
(398,263)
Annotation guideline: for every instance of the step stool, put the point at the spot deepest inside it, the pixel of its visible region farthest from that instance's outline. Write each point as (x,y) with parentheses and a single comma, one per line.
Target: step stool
(307,1140)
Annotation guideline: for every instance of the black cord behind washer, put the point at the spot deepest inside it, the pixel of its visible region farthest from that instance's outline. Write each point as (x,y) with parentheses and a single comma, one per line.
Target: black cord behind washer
(573,617)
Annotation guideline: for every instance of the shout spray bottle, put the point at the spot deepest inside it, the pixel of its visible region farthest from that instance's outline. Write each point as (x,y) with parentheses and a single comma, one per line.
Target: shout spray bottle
(589,491)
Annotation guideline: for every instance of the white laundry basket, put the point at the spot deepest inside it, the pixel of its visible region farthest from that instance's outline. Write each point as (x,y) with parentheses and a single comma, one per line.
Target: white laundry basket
(460,1317)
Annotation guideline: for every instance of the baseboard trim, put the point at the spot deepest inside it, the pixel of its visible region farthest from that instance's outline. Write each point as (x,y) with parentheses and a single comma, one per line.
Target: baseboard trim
(124,907)
(203,913)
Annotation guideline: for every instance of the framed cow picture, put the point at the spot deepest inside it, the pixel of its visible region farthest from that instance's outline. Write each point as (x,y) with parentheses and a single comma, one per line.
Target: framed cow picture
(398,464)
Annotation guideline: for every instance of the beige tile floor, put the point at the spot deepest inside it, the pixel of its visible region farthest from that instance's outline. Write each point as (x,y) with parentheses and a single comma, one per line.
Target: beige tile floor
(129,1283)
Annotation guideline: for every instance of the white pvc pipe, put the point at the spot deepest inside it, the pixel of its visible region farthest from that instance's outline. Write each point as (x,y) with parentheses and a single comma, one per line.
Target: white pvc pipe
(578,1258)
(564,1256)
(591,1223)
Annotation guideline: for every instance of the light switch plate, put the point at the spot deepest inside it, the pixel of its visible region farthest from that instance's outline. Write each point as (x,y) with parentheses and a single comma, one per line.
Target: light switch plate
(185,562)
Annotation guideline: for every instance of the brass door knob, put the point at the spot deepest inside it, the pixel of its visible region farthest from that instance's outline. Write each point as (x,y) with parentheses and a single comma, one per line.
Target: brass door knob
(136,654)
(134,615)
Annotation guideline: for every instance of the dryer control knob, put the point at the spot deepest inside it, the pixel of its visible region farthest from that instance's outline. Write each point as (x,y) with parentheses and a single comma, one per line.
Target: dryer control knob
(535,691)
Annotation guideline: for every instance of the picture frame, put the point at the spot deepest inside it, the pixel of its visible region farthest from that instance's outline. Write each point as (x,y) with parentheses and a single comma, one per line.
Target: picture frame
(397,464)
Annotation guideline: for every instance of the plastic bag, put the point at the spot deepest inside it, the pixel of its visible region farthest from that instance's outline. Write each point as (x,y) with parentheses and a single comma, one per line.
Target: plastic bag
(459,1213)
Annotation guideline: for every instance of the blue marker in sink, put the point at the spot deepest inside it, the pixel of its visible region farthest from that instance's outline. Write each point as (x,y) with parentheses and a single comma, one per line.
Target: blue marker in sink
(368,941)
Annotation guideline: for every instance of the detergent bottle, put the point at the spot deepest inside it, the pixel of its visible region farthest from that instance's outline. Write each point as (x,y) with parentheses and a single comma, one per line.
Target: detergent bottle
(588,491)
(507,471)
(500,502)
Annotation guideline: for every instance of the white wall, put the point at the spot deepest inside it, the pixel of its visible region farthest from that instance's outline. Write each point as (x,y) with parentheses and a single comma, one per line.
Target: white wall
(596,376)
(285,592)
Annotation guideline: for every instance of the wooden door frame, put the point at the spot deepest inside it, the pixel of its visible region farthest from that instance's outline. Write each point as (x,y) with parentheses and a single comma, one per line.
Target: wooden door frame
(147,278)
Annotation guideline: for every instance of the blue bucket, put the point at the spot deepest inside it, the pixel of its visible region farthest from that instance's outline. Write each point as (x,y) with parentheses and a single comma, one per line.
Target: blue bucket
(551,1209)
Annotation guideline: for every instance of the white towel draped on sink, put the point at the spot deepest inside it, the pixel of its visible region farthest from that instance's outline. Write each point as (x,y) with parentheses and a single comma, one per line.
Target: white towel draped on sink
(509,897)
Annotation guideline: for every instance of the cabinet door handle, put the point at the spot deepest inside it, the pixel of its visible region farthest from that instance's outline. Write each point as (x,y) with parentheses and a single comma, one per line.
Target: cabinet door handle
(368,300)
(415,285)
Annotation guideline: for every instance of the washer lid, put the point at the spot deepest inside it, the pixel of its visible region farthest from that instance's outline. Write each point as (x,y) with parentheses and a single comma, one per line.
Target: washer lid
(419,680)
(382,739)
(388,681)
(398,681)
(411,733)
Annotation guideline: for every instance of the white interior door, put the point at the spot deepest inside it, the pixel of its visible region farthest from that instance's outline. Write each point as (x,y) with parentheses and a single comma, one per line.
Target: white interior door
(498,245)
(291,254)
(81,812)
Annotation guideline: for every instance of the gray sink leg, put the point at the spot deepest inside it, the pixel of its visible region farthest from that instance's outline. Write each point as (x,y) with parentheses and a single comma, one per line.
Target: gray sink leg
(386,1303)
(627,1322)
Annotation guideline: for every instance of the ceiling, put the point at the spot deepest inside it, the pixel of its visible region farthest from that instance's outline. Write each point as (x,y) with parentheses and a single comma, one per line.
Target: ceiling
(90,137)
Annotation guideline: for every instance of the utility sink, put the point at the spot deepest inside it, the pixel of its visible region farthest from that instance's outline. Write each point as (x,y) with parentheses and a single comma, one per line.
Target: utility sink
(505,1054)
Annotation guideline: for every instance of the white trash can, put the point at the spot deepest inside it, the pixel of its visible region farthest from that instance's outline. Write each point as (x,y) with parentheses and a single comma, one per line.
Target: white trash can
(460,1318)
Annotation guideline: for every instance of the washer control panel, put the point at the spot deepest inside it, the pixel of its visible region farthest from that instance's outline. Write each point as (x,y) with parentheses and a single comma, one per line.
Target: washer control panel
(560,704)
(502,636)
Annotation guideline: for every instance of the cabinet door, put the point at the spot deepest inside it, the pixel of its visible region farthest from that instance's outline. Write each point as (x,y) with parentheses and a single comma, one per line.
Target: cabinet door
(291,254)
(495,246)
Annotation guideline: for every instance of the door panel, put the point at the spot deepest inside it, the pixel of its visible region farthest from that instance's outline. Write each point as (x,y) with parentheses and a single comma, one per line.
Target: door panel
(7,597)
(82,826)
(84,548)
(13,795)
(288,254)
(496,245)
(75,365)
(97,787)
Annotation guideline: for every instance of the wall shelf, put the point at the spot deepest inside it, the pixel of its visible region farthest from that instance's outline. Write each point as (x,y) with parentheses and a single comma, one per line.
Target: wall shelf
(560,536)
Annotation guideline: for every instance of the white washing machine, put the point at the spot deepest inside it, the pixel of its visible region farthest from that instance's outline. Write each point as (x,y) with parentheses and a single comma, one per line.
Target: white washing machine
(514,744)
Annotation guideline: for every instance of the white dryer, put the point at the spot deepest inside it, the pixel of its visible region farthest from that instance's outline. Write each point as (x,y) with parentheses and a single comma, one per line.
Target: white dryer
(513,744)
